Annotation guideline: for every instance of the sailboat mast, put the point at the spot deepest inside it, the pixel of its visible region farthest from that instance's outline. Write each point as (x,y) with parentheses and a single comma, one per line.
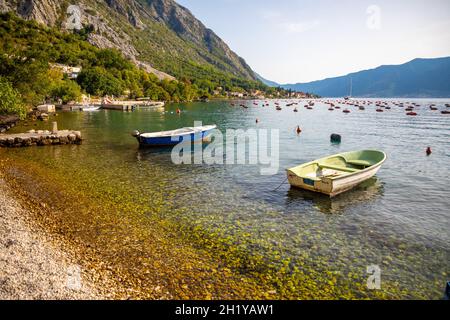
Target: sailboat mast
(351,86)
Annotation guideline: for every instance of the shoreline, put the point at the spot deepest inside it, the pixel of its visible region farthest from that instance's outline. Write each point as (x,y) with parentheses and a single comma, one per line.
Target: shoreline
(35,265)
(168,269)
(7,122)
(127,251)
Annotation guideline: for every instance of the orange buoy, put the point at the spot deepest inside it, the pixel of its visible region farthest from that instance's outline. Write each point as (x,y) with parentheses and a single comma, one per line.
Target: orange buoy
(298,130)
(428,151)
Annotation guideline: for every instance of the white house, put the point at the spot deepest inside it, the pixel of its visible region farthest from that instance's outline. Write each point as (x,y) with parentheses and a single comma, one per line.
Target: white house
(71,71)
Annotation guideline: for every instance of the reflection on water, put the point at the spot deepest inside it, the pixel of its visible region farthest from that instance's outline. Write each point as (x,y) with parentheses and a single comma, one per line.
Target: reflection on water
(367,191)
(148,154)
(163,154)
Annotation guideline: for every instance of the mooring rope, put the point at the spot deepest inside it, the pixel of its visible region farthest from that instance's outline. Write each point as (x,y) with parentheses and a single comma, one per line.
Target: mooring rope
(280,185)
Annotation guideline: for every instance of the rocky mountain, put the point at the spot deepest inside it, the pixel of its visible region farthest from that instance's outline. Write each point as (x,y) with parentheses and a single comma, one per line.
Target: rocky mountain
(417,78)
(158,35)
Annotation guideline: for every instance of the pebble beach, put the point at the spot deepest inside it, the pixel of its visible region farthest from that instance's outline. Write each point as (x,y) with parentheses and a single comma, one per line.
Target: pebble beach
(32,264)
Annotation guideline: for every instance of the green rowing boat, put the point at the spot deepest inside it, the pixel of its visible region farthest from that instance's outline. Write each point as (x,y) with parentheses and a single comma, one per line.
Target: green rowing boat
(338,173)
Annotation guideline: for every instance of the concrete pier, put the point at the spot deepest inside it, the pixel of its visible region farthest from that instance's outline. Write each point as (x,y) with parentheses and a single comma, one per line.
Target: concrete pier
(115,105)
(69,107)
(132,105)
(120,107)
(40,138)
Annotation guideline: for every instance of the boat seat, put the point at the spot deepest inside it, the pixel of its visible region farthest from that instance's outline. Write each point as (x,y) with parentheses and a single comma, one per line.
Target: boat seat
(338,168)
(364,163)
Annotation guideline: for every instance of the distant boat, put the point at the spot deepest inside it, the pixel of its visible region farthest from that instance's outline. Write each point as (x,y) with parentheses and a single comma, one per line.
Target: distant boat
(351,90)
(88,108)
(173,137)
(338,173)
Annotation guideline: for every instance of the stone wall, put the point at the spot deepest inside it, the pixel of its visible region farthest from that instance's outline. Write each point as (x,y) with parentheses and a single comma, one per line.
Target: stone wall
(7,122)
(40,138)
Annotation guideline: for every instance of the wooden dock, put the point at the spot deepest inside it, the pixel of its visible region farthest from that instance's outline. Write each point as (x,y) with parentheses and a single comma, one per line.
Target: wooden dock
(40,138)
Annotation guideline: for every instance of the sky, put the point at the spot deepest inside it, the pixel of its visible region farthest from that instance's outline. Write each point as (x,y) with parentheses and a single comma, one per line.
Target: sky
(290,41)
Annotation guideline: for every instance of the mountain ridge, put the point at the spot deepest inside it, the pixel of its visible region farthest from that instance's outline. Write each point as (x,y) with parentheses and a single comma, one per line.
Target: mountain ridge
(420,77)
(160,36)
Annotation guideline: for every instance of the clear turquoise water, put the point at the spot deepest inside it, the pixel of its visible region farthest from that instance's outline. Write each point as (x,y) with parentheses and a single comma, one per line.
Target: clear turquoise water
(399,220)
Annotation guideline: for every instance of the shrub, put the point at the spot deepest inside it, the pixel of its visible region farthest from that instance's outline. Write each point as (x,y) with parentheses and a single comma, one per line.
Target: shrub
(66,90)
(10,100)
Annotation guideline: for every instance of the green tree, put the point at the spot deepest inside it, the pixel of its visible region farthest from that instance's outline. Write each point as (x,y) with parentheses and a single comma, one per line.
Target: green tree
(66,90)
(28,50)
(10,100)
(97,81)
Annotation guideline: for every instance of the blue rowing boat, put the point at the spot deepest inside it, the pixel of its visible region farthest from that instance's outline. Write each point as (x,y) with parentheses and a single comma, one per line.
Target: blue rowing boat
(173,137)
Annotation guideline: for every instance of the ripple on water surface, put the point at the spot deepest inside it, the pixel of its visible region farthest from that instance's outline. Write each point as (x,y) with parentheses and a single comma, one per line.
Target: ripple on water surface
(398,220)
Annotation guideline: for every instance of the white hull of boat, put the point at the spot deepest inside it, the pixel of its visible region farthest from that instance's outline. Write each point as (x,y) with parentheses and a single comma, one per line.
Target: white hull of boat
(330,181)
(346,183)
(333,187)
(88,109)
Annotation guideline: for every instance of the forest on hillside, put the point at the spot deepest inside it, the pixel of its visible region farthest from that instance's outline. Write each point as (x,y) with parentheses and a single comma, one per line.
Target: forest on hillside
(28,51)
